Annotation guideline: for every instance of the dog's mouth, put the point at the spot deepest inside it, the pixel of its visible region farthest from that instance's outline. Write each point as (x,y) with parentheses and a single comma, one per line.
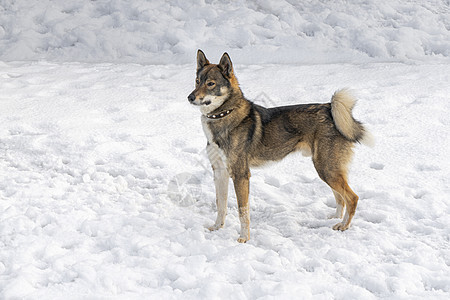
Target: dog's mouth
(193,101)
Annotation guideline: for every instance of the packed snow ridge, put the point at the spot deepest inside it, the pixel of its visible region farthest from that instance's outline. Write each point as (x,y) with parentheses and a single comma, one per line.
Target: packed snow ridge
(265,31)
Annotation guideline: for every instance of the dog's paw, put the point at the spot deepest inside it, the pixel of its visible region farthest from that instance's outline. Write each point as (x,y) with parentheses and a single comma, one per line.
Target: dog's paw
(242,239)
(341,226)
(215,227)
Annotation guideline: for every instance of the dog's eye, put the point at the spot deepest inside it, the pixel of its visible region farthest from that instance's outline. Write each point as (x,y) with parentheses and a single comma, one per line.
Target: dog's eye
(197,81)
(210,83)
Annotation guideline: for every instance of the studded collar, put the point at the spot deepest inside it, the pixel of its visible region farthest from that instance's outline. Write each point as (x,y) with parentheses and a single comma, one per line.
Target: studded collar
(219,115)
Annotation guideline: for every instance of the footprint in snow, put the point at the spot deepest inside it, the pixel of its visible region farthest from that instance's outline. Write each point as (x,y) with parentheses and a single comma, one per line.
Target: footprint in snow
(270,180)
(112,109)
(376,166)
(425,167)
(120,119)
(373,217)
(12,75)
(190,150)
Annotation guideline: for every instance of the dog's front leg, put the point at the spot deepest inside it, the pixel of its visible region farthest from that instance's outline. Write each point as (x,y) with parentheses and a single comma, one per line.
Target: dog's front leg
(221,179)
(241,186)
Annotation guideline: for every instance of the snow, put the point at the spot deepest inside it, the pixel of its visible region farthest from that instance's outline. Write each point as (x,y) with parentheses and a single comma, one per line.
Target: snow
(261,31)
(105,187)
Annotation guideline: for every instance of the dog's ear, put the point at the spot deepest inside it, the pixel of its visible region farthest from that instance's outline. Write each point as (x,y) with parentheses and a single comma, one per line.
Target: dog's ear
(201,60)
(225,65)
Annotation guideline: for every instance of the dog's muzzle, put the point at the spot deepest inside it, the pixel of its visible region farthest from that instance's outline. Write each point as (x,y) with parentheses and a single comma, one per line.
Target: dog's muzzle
(191,98)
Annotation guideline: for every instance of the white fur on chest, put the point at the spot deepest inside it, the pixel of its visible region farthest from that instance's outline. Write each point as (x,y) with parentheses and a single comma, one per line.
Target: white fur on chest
(216,155)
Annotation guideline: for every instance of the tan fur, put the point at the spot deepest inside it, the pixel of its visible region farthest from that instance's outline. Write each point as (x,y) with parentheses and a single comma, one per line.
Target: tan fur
(342,103)
(241,186)
(250,135)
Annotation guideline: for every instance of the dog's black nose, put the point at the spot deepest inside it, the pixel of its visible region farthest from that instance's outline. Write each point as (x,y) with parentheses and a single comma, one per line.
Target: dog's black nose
(191,97)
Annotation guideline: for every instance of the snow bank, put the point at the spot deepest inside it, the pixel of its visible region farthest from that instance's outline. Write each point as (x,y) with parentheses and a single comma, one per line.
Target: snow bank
(263,31)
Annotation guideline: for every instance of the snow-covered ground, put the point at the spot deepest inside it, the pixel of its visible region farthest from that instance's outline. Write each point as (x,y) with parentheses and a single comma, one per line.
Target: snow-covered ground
(258,31)
(105,188)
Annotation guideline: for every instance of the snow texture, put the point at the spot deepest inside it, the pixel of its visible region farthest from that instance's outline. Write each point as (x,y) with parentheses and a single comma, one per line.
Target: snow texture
(169,31)
(105,188)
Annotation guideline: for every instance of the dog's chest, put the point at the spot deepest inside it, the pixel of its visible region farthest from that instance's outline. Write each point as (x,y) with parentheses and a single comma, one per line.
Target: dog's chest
(208,133)
(215,153)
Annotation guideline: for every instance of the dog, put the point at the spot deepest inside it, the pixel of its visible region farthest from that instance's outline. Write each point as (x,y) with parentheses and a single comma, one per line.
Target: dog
(241,134)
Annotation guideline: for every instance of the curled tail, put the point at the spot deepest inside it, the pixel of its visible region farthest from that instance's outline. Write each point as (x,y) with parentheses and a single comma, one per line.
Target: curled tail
(342,104)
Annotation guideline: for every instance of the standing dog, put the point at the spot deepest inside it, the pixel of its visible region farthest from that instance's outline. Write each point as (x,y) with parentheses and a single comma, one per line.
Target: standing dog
(242,134)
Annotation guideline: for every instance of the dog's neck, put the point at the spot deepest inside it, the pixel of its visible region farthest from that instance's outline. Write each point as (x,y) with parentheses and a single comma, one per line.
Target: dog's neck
(219,115)
(234,103)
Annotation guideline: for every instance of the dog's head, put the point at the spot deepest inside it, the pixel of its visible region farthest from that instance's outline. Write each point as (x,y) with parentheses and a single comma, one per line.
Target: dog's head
(214,84)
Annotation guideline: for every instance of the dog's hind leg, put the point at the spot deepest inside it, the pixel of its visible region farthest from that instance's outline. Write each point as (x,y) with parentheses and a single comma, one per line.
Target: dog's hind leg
(221,179)
(331,166)
(340,185)
(340,205)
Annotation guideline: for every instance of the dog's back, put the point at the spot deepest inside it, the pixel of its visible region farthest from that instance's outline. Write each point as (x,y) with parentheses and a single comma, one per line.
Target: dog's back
(287,129)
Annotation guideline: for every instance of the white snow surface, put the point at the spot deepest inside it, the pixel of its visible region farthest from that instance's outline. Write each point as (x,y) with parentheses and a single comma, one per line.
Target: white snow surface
(169,31)
(105,188)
